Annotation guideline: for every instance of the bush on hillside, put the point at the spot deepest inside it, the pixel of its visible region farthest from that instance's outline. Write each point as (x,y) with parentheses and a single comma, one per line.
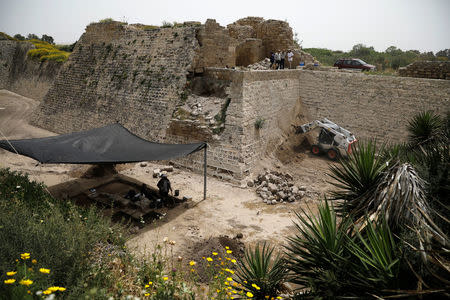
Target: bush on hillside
(47,52)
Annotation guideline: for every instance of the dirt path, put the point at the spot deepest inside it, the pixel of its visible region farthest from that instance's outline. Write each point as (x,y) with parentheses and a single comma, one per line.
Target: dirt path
(228,210)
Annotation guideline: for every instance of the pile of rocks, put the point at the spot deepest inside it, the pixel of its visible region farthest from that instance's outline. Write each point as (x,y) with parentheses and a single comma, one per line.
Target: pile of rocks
(261,65)
(275,187)
(163,170)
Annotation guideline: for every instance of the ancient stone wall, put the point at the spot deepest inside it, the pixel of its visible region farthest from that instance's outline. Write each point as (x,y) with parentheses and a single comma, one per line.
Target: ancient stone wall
(427,69)
(22,75)
(120,73)
(371,106)
(217,47)
(249,52)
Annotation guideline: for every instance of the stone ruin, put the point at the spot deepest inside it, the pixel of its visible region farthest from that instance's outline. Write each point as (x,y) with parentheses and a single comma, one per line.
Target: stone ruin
(276,187)
(205,82)
(245,42)
(427,69)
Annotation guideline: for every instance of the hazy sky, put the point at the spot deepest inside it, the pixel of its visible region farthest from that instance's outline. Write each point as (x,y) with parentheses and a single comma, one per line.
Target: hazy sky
(408,24)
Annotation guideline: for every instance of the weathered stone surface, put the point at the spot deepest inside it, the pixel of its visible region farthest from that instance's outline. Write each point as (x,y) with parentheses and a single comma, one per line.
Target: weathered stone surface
(427,69)
(249,52)
(241,32)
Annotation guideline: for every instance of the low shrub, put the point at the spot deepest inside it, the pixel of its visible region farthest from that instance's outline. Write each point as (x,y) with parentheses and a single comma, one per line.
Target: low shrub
(58,234)
(47,52)
(262,272)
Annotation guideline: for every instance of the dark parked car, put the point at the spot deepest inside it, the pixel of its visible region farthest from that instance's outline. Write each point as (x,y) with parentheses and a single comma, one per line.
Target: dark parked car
(353,63)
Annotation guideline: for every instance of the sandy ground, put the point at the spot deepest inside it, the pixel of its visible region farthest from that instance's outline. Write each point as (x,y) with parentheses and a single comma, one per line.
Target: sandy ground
(228,210)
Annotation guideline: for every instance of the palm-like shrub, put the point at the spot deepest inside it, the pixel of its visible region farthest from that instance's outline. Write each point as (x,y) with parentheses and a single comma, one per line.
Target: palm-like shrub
(424,128)
(357,177)
(261,271)
(377,263)
(333,258)
(314,254)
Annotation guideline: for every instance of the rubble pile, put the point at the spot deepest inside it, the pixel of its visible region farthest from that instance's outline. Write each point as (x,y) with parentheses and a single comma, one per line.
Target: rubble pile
(275,187)
(261,65)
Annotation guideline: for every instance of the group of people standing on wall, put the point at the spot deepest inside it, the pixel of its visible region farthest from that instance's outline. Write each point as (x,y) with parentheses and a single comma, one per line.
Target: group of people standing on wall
(277,59)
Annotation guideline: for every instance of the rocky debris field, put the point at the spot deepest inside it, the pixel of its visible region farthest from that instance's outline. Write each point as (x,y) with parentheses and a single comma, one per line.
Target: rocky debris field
(261,65)
(277,187)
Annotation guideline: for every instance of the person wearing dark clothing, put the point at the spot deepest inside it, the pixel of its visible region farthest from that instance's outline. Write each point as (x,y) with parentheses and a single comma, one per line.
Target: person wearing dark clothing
(164,188)
(272,59)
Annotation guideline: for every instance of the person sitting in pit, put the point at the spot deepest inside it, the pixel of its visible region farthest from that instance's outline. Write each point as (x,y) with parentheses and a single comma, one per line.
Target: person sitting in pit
(164,188)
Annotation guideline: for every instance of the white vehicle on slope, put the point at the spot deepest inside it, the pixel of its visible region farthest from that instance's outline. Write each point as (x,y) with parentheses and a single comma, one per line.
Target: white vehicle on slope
(333,139)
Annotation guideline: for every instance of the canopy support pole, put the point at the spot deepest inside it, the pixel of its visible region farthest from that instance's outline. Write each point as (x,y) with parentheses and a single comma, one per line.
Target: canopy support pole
(204,174)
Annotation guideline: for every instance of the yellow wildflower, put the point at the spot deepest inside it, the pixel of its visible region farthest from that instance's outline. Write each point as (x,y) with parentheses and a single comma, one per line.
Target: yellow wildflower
(279,297)
(25,256)
(209,259)
(226,283)
(11,273)
(47,292)
(165,278)
(147,294)
(192,270)
(250,295)
(218,291)
(229,271)
(34,261)
(146,286)
(62,289)
(215,253)
(29,292)
(229,279)
(192,263)
(9,281)
(53,288)
(255,286)
(233,261)
(229,251)
(226,247)
(26,282)
(44,270)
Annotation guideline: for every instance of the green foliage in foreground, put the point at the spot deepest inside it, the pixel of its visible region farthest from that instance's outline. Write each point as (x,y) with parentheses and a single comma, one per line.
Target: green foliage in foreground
(47,52)
(336,258)
(57,234)
(262,271)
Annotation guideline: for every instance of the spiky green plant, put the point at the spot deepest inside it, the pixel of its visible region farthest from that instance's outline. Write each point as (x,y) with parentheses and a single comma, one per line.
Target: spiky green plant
(424,128)
(315,255)
(377,263)
(357,177)
(261,271)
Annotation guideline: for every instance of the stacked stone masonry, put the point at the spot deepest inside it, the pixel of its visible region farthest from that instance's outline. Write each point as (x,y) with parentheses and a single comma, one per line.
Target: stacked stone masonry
(427,69)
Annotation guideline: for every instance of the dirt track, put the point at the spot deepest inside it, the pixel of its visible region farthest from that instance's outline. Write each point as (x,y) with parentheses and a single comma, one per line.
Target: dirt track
(228,209)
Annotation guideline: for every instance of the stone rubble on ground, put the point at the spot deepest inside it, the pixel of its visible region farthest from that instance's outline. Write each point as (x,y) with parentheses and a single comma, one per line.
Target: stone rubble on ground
(276,187)
(261,65)
(163,170)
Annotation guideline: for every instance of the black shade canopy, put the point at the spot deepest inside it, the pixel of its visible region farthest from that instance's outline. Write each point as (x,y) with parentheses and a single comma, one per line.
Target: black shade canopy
(109,144)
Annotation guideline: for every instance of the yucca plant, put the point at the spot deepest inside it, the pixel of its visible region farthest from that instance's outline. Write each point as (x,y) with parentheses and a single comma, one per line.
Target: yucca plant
(315,255)
(424,128)
(357,177)
(262,271)
(378,256)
